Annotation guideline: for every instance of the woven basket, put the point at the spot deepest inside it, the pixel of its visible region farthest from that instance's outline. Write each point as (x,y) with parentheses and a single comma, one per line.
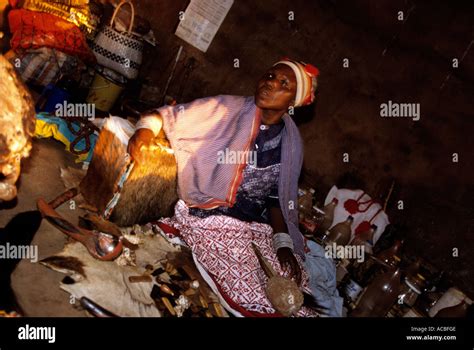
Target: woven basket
(119,51)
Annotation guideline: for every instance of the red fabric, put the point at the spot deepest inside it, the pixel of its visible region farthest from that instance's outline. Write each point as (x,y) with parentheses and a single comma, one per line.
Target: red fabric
(32,30)
(352,206)
(312,70)
(366,225)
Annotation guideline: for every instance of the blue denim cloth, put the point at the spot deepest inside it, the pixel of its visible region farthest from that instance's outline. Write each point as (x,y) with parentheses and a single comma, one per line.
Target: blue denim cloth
(322,279)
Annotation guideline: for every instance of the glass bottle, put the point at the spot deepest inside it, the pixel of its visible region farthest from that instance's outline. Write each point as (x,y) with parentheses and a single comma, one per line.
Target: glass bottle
(379,296)
(413,268)
(411,288)
(391,256)
(426,301)
(328,216)
(350,289)
(311,221)
(340,234)
(365,239)
(305,202)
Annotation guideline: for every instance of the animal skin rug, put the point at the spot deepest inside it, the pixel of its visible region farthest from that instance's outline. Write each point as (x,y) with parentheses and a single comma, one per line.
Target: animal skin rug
(107,283)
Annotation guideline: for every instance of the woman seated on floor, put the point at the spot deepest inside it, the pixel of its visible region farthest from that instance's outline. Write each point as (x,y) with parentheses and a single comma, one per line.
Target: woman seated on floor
(239,160)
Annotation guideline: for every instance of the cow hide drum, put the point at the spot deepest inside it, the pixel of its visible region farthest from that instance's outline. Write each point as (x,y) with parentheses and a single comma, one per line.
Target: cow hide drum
(148,193)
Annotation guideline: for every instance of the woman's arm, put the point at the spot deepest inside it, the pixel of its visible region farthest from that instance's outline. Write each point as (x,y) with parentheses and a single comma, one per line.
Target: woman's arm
(285,255)
(147,128)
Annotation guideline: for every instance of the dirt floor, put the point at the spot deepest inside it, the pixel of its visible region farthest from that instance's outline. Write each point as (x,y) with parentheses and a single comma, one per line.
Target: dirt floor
(37,287)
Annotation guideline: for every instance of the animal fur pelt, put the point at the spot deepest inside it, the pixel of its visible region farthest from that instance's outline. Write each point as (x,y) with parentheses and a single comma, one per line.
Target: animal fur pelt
(110,285)
(107,283)
(17,125)
(150,190)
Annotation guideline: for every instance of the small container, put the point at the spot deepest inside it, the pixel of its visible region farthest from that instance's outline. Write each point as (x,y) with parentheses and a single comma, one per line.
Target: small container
(105,89)
(452,297)
(411,289)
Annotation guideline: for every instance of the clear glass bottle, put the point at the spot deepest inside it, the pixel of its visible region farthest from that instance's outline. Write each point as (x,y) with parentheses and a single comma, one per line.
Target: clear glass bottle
(340,233)
(391,256)
(305,202)
(379,296)
(414,267)
(328,217)
(365,239)
(311,221)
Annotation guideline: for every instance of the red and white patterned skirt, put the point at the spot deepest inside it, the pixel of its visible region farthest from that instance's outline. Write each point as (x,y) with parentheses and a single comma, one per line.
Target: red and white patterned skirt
(222,245)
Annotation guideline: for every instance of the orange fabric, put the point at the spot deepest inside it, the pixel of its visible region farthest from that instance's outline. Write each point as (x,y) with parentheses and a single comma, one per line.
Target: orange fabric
(32,30)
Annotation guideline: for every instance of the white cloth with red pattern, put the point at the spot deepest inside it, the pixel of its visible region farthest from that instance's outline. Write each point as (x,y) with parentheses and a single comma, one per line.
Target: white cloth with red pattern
(222,246)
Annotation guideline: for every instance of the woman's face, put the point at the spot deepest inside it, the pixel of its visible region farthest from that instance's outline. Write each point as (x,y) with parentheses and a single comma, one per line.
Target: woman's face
(276,90)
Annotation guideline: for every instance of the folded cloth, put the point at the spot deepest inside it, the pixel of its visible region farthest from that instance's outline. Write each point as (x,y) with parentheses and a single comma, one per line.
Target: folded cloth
(32,30)
(43,66)
(80,15)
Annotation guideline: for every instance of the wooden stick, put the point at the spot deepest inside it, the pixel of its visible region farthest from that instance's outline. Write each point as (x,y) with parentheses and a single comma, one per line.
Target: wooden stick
(388,195)
(139,279)
(64,197)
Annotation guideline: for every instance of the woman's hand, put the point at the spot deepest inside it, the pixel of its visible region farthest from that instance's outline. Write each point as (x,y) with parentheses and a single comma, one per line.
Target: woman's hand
(288,260)
(143,138)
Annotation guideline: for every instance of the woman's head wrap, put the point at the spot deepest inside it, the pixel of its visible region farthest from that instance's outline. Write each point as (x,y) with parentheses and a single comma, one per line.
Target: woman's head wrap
(306,80)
